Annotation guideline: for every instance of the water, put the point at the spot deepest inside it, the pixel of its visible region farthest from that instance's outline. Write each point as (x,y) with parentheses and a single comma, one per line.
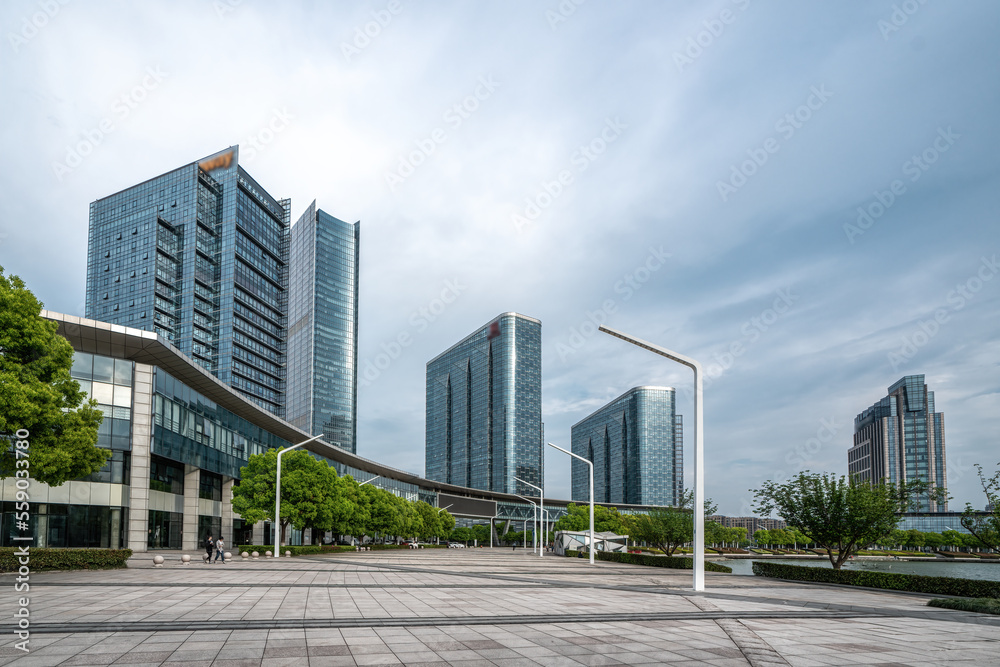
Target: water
(934,568)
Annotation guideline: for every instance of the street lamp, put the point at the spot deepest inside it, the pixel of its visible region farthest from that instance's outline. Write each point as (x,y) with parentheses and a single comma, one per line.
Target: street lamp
(699,448)
(541,504)
(534,514)
(591,464)
(277,493)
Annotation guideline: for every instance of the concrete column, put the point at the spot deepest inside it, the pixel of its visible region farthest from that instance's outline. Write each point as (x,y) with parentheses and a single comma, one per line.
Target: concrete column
(142,444)
(227,512)
(258,533)
(192,479)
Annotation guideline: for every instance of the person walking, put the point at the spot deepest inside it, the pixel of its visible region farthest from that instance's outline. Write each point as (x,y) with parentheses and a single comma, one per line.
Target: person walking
(209,548)
(220,550)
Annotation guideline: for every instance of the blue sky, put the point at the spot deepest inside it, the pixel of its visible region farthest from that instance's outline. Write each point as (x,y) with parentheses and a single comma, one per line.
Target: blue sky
(812,185)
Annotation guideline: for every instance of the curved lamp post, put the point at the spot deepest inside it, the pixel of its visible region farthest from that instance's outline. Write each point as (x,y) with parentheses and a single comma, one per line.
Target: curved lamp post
(277,494)
(541,510)
(591,464)
(534,513)
(699,448)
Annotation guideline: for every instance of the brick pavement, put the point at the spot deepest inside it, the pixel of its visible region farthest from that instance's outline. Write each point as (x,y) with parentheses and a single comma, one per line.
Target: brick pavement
(472,607)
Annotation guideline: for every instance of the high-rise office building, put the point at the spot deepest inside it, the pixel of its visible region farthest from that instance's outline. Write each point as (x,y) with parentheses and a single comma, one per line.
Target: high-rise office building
(636,445)
(323,327)
(900,439)
(199,255)
(484,407)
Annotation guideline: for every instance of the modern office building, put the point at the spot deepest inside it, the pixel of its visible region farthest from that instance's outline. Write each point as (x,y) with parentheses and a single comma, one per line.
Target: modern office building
(900,439)
(751,523)
(199,255)
(484,407)
(636,445)
(323,328)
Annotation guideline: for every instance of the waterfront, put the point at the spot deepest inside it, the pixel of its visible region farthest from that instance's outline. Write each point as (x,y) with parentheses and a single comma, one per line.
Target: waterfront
(931,567)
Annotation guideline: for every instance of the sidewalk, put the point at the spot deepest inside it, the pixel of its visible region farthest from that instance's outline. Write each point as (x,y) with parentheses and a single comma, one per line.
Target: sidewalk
(471,607)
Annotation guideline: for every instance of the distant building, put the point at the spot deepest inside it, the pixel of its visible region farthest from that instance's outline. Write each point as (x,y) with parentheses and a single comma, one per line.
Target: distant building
(484,407)
(751,523)
(636,445)
(199,255)
(900,439)
(323,328)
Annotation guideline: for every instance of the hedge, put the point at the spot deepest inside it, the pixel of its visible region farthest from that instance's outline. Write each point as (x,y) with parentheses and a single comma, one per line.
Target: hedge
(914,583)
(65,559)
(978,605)
(296,551)
(672,562)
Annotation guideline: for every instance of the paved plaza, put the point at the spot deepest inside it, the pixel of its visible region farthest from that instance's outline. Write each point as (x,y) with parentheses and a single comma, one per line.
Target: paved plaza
(472,607)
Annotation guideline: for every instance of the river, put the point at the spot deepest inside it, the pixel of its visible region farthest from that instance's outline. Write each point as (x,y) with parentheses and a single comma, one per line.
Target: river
(931,568)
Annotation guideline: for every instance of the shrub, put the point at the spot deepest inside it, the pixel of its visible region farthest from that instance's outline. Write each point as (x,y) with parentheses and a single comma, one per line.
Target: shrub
(672,562)
(66,559)
(296,551)
(978,605)
(895,581)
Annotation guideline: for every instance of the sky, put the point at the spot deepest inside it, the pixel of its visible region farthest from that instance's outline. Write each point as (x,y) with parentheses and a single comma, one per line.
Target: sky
(802,196)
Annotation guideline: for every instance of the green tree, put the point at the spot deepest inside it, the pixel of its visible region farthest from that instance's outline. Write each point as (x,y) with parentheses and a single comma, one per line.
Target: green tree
(38,395)
(461,534)
(310,494)
(667,528)
(481,533)
(985,527)
(841,515)
(577,518)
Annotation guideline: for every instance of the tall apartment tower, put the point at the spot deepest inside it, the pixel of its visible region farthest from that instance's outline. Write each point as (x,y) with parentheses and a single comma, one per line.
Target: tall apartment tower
(901,438)
(323,328)
(636,445)
(484,407)
(200,256)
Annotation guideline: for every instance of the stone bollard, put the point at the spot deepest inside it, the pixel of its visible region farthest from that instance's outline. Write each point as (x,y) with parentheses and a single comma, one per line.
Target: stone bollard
(157,561)
(227,556)
(267,554)
(288,554)
(255,555)
(244,555)
(185,560)
(357,548)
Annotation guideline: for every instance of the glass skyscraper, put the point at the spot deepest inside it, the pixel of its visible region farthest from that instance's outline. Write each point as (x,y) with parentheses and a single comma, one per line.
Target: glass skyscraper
(900,439)
(636,445)
(199,255)
(323,328)
(484,407)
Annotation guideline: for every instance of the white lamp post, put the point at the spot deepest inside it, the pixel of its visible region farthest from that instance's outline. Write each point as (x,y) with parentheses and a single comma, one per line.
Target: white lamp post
(591,464)
(277,494)
(534,514)
(699,448)
(541,512)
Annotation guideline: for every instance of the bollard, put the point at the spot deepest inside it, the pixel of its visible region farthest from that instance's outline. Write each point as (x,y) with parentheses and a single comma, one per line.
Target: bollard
(255,555)
(157,561)
(288,554)
(244,555)
(227,556)
(185,560)
(267,554)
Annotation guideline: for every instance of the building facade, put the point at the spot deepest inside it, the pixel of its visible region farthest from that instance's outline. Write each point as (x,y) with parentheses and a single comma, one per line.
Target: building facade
(751,523)
(900,439)
(636,445)
(322,378)
(199,255)
(484,407)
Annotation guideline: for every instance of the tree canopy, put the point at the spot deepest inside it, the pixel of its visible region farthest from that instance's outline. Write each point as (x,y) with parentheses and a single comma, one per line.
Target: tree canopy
(38,395)
(577,518)
(841,515)
(986,528)
(667,528)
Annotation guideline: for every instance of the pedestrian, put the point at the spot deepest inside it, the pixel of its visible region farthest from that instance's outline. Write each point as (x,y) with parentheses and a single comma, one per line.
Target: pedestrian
(220,550)
(209,548)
